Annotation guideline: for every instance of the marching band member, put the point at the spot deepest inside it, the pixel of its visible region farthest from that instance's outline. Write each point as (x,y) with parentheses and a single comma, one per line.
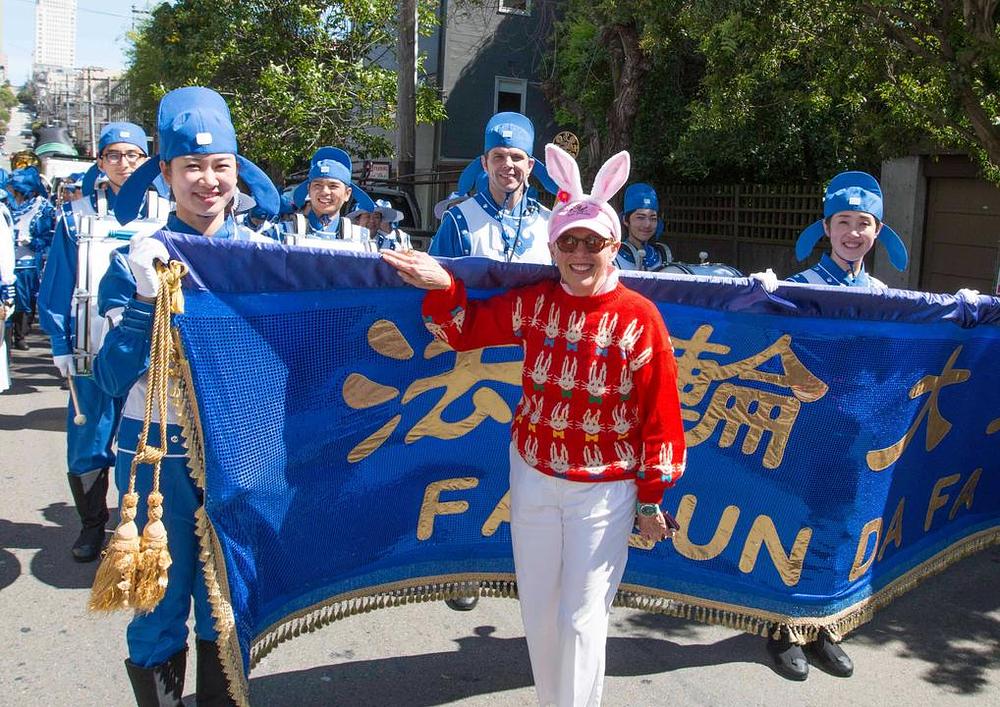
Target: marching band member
(500,222)
(639,249)
(121,149)
(199,160)
(599,361)
(383,225)
(7,280)
(852,220)
(34,221)
(322,196)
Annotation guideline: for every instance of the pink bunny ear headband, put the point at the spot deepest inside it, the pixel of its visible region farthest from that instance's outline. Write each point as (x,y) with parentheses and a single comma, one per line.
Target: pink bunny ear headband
(573,208)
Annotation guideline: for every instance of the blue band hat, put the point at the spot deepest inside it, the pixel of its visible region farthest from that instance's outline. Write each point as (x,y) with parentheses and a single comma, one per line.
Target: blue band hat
(28,182)
(73,181)
(122,132)
(511,130)
(853,191)
(642,196)
(194,121)
(332,163)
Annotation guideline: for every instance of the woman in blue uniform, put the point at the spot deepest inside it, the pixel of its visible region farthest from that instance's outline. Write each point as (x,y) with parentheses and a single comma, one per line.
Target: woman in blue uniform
(200,162)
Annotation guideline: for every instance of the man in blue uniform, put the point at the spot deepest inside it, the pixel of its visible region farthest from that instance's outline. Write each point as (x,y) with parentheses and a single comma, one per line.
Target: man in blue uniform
(34,221)
(323,195)
(501,222)
(90,454)
(640,250)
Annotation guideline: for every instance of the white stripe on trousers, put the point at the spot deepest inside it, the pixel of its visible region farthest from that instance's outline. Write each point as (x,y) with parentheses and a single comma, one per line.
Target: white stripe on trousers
(570,547)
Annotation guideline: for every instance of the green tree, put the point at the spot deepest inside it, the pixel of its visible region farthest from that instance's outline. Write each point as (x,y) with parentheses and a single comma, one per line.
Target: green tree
(777,90)
(296,75)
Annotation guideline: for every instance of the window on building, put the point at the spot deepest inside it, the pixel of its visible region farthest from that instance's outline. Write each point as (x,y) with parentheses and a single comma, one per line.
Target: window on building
(515,7)
(509,95)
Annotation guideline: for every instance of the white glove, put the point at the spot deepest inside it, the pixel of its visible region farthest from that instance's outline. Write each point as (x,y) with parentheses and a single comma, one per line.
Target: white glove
(64,363)
(970,296)
(24,240)
(767,279)
(143,252)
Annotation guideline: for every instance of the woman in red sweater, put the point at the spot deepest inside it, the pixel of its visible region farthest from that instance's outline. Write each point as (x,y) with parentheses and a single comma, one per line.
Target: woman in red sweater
(597,437)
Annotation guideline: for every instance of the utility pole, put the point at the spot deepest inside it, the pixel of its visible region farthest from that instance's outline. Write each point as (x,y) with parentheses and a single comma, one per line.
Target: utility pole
(90,115)
(406,93)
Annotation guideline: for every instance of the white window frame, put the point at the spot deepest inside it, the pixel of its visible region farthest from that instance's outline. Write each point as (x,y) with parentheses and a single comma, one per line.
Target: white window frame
(505,9)
(510,85)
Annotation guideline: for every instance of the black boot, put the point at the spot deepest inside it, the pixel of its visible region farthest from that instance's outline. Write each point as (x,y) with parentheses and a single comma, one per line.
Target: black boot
(20,325)
(159,686)
(789,659)
(92,505)
(467,603)
(830,657)
(213,687)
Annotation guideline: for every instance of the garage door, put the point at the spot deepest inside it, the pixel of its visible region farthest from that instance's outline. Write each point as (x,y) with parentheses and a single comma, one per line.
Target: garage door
(962,235)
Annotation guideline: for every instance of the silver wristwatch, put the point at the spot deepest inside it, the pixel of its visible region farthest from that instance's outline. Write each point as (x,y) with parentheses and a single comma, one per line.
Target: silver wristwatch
(647,509)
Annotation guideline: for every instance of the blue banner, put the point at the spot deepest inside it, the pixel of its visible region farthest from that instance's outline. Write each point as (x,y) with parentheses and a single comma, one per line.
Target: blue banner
(842,444)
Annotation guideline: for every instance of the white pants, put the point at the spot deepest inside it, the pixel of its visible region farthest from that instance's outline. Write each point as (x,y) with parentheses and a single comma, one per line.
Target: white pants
(570,547)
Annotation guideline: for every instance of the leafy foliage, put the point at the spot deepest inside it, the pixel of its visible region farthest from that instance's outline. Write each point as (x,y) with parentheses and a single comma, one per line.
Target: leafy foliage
(785,90)
(296,75)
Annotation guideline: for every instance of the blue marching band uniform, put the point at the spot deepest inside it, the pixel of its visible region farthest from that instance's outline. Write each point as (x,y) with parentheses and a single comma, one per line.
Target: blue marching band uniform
(34,220)
(487,228)
(89,445)
(492,223)
(633,255)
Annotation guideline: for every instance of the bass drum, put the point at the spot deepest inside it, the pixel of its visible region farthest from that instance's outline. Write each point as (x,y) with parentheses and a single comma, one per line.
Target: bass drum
(702,269)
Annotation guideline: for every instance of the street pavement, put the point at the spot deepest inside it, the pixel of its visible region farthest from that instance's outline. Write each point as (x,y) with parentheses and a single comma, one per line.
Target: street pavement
(19,120)
(939,644)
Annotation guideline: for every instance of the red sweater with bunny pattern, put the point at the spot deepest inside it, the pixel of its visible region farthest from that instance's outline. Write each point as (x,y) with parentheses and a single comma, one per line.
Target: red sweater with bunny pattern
(599,381)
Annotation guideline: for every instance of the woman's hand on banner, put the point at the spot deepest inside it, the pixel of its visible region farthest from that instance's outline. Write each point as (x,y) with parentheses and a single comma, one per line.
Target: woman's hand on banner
(653,528)
(418,269)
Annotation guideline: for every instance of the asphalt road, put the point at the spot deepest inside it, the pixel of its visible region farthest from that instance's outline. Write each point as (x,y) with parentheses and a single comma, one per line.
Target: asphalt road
(938,645)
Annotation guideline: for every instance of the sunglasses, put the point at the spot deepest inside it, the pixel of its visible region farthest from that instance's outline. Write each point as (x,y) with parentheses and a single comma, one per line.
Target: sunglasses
(593,243)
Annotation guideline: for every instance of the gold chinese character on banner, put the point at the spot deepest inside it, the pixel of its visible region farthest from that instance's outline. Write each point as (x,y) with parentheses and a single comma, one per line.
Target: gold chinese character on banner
(468,371)
(740,406)
(937,425)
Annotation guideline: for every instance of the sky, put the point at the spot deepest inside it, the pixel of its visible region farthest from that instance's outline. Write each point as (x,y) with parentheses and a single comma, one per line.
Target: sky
(100,33)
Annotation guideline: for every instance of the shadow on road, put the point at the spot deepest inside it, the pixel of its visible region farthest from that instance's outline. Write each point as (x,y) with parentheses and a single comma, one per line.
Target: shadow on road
(45,420)
(945,623)
(482,665)
(52,564)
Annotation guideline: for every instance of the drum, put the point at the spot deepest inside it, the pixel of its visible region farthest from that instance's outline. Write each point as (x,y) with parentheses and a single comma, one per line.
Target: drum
(702,269)
(97,238)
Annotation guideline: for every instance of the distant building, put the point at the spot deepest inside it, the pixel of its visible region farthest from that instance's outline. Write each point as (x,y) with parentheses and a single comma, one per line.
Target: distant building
(55,34)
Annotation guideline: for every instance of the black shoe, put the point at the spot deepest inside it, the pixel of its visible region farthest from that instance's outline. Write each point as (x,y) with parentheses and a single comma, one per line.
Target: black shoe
(92,506)
(21,345)
(830,657)
(159,686)
(789,659)
(213,687)
(462,603)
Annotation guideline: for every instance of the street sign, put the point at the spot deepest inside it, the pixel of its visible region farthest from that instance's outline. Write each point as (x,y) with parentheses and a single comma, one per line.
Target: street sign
(376,170)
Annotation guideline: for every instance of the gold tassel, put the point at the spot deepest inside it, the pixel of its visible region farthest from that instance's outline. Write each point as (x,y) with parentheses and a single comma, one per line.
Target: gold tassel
(133,573)
(112,588)
(154,558)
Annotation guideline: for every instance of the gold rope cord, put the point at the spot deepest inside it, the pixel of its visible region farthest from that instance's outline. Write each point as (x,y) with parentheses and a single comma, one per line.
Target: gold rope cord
(133,570)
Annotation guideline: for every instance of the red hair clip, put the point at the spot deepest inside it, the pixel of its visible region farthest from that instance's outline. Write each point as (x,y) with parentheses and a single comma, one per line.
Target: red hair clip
(563,196)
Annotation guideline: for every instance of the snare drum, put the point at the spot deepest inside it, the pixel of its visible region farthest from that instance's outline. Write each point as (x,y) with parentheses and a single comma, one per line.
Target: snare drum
(97,239)
(702,269)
